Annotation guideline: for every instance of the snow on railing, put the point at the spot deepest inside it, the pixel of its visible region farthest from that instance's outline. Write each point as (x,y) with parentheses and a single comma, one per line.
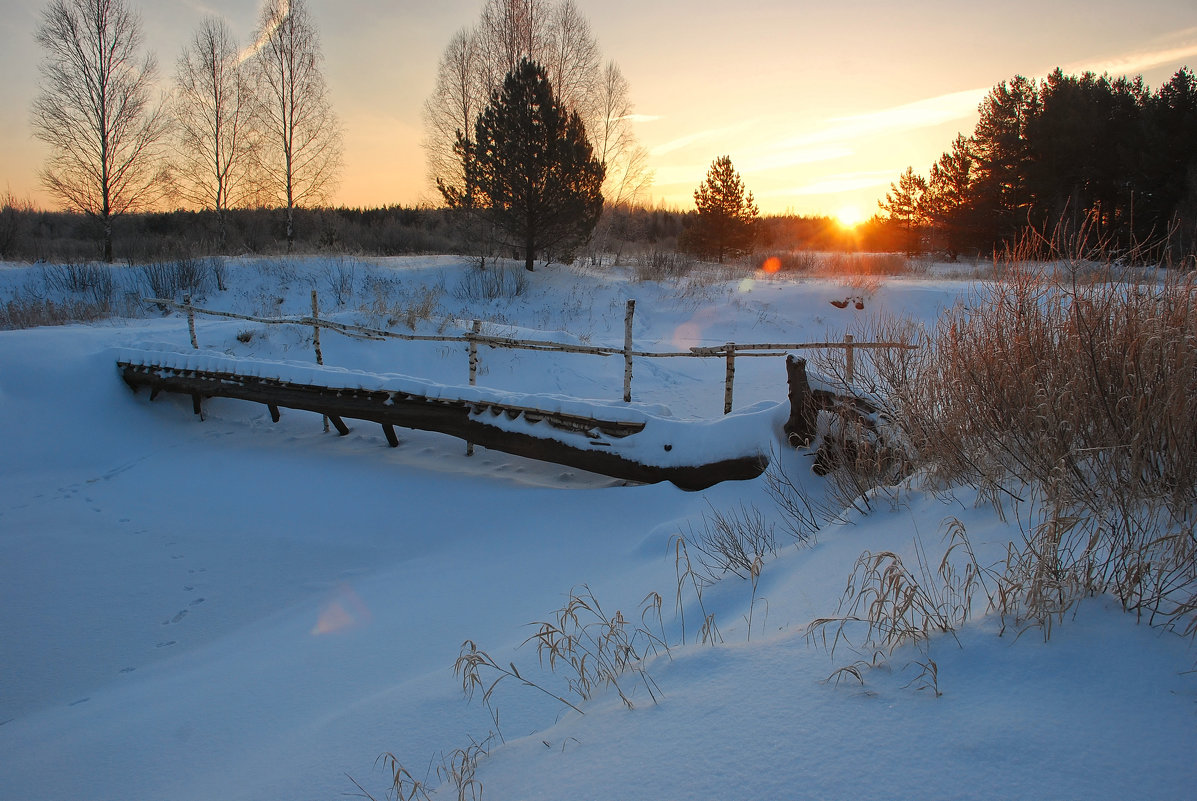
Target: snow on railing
(474,337)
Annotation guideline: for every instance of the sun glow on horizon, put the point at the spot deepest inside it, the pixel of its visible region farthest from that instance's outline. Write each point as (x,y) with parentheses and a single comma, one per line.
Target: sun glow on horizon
(849,216)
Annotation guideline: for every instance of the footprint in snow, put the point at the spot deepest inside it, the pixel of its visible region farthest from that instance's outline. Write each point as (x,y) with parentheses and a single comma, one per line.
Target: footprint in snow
(181,614)
(165,644)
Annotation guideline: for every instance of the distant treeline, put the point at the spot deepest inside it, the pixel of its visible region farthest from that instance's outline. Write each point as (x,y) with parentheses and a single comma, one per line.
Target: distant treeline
(28,234)
(1084,156)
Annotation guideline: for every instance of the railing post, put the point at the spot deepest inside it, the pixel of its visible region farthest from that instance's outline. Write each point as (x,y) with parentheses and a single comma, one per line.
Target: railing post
(316,328)
(475,329)
(316,341)
(730,379)
(850,359)
(190,320)
(627,351)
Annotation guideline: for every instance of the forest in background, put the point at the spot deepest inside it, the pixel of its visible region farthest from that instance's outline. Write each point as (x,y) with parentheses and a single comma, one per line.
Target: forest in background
(624,233)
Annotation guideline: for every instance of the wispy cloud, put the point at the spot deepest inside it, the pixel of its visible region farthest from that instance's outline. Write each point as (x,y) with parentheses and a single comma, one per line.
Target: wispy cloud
(642,117)
(711,133)
(897,119)
(1131,63)
(844,182)
(284,9)
(780,158)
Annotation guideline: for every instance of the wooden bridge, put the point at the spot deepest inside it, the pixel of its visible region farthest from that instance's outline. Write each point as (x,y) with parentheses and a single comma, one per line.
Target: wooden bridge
(590,441)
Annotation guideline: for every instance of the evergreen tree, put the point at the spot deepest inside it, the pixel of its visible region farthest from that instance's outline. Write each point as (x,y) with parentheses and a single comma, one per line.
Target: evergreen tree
(1002,156)
(530,170)
(1170,199)
(727,218)
(904,202)
(947,203)
(1068,152)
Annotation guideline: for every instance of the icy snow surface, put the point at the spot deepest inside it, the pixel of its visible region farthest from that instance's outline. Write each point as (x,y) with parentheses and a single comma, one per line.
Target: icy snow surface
(234,609)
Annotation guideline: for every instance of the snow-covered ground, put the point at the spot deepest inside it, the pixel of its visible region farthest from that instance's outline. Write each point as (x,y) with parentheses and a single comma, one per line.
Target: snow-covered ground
(238,609)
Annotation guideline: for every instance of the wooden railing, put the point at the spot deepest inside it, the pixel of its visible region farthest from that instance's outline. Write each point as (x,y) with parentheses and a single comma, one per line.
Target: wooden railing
(473,338)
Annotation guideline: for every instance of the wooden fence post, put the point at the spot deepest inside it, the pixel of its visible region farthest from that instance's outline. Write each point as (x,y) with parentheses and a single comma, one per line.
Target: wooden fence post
(730,379)
(850,359)
(627,351)
(190,320)
(316,340)
(475,329)
(316,328)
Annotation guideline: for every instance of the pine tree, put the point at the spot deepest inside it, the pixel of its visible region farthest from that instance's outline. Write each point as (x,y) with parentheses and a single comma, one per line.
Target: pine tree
(904,204)
(946,206)
(1003,156)
(727,218)
(530,170)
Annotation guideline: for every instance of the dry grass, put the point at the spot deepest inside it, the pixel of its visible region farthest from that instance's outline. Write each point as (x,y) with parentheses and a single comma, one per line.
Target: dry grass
(886,606)
(735,541)
(662,265)
(594,650)
(1065,394)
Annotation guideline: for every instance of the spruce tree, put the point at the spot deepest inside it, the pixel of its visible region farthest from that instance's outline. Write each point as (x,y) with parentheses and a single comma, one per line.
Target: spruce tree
(905,203)
(530,170)
(727,217)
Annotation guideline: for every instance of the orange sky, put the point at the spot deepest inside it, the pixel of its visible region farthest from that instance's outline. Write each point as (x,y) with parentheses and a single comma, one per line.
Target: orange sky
(820,105)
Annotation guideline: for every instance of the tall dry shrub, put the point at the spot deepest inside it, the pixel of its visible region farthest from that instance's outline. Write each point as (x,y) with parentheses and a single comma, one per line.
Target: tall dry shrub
(1072,395)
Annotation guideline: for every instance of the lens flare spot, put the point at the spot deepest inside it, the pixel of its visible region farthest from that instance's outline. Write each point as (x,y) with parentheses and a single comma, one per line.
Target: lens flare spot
(771,265)
(687,335)
(746,286)
(346,611)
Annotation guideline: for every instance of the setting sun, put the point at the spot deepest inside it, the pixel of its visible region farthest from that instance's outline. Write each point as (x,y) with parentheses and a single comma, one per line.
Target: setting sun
(849,216)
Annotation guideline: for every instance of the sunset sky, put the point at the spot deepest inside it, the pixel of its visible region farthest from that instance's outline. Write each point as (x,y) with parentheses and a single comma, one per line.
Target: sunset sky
(819,104)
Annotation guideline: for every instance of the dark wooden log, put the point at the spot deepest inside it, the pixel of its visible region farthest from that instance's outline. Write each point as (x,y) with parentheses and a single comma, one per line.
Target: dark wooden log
(449,416)
(274,415)
(197,405)
(392,437)
(339,425)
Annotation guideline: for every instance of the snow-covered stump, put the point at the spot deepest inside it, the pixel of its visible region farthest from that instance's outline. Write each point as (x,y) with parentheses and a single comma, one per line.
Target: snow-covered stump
(801,428)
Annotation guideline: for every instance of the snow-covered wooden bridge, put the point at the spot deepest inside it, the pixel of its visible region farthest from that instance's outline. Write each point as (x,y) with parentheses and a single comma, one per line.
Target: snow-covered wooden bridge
(633,442)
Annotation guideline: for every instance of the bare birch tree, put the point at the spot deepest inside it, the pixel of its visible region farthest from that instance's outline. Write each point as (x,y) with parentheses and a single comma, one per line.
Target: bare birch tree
(96,111)
(452,109)
(300,153)
(508,31)
(625,159)
(573,61)
(212,107)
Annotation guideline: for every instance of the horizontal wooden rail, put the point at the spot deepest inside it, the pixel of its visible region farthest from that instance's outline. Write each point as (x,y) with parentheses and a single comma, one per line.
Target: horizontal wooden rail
(473,338)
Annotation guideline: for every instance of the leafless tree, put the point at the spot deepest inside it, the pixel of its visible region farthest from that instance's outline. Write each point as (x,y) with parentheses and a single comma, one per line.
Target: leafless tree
(300,153)
(212,108)
(508,31)
(453,108)
(573,61)
(628,176)
(558,36)
(96,111)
